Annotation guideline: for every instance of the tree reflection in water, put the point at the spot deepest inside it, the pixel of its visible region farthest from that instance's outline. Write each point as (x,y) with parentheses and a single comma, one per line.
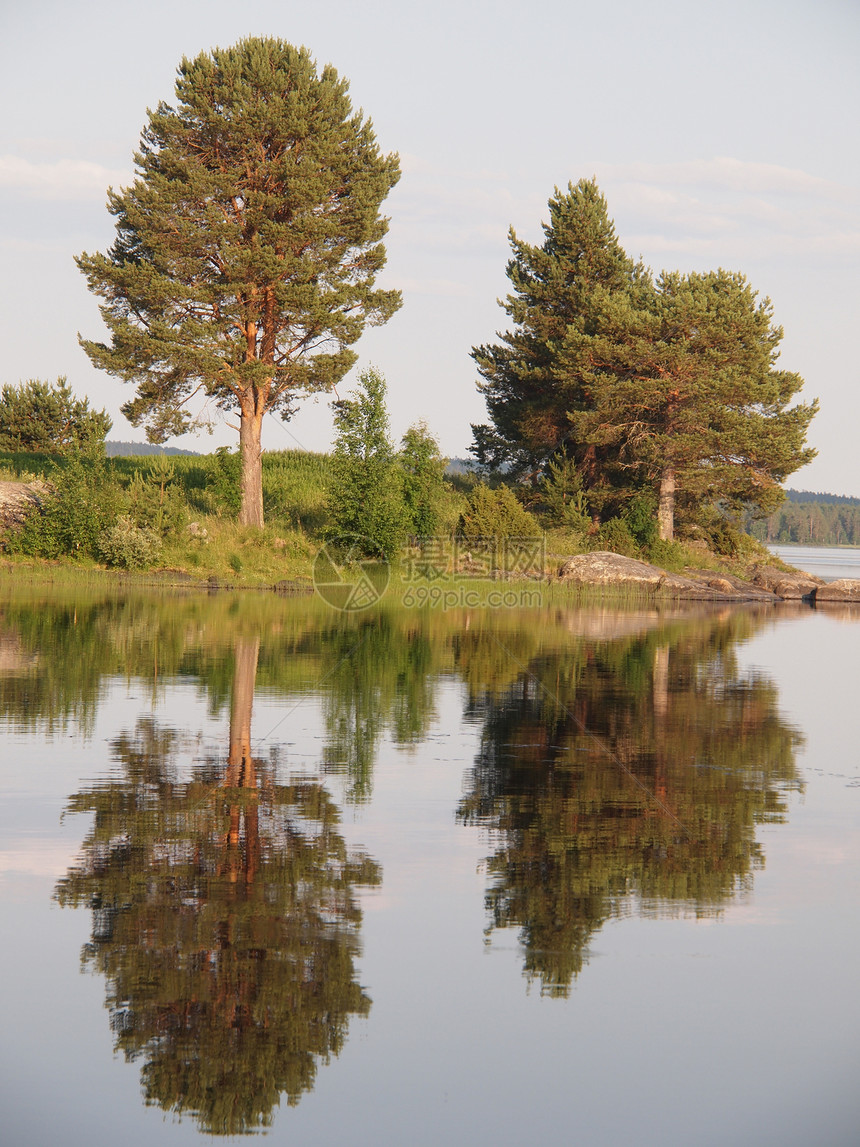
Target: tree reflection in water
(225,921)
(625,777)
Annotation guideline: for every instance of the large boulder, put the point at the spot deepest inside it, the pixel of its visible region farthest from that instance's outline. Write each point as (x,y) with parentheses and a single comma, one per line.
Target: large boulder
(789,586)
(17,500)
(846,589)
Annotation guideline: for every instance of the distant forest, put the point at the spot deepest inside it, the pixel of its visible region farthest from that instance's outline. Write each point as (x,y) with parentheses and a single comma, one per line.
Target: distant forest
(140,449)
(811,519)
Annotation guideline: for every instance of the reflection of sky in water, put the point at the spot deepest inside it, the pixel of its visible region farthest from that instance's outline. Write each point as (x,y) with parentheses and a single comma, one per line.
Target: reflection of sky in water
(737,1028)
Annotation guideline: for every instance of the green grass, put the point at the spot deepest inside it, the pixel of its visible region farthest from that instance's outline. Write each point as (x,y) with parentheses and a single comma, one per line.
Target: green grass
(295,487)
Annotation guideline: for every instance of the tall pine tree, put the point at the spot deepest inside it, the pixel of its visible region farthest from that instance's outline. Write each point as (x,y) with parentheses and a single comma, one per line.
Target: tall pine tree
(558,287)
(691,403)
(668,389)
(247,247)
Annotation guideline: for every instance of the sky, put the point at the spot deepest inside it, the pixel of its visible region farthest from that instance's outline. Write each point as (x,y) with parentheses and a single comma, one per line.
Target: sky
(721,135)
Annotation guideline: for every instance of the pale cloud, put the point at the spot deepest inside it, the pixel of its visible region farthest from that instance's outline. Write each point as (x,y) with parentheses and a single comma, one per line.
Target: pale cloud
(725,209)
(721,171)
(730,210)
(69,179)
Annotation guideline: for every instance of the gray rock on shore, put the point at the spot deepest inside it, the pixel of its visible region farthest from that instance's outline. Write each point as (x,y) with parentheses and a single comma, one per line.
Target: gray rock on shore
(608,569)
(789,586)
(17,499)
(844,589)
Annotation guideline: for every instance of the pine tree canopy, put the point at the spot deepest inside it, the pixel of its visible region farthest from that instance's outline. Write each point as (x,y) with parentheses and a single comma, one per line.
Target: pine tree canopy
(247,247)
(44,416)
(668,385)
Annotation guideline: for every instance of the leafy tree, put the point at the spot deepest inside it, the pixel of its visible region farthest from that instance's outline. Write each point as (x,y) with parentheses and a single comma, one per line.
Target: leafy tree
(423,480)
(46,417)
(247,247)
(74,515)
(366,493)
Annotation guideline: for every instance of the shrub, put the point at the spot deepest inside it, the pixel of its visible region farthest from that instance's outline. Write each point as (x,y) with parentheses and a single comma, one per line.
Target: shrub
(74,517)
(154,501)
(615,535)
(125,545)
(496,514)
(562,498)
(668,555)
(223,479)
(640,517)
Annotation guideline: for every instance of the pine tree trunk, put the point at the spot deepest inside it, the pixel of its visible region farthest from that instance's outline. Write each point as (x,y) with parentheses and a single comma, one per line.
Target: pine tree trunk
(242,704)
(241,772)
(251,455)
(666,505)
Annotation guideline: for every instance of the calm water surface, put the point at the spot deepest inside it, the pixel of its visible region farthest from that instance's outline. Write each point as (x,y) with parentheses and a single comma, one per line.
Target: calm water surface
(487,877)
(828,562)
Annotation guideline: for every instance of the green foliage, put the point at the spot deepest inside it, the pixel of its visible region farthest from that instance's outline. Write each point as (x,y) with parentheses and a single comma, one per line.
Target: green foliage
(223,480)
(294,487)
(366,492)
(667,555)
(42,416)
(640,517)
(615,536)
(75,516)
(669,385)
(495,513)
(125,545)
(154,500)
(423,481)
(563,501)
(558,288)
(247,247)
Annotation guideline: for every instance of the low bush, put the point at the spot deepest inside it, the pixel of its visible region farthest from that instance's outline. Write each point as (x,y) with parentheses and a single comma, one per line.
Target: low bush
(74,517)
(495,513)
(127,546)
(616,537)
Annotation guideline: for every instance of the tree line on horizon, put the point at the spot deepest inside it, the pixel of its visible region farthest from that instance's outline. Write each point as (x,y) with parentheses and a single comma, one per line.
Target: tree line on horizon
(818,520)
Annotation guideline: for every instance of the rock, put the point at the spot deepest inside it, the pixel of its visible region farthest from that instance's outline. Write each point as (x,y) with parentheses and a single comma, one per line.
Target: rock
(293,588)
(845,589)
(198,531)
(729,584)
(790,586)
(17,499)
(607,569)
(720,583)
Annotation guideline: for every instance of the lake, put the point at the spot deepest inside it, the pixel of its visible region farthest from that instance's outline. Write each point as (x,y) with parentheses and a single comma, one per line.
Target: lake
(466,876)
(828,562)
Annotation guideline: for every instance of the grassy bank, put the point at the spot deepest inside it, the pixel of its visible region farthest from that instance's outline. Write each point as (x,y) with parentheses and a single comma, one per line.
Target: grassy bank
(192,503)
